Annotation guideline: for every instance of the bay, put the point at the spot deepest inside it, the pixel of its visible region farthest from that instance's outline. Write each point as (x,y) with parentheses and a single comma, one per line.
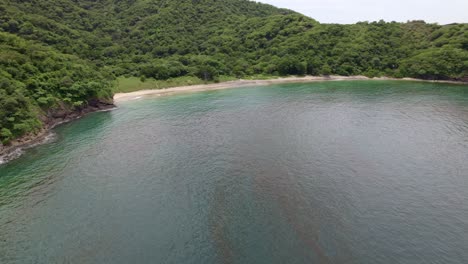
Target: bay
(332,172)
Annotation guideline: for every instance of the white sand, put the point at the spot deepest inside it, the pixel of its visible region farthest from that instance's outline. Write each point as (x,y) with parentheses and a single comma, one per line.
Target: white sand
(121,97)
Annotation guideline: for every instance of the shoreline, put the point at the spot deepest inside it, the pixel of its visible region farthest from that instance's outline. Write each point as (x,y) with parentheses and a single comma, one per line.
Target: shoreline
(16,147)
(122,97)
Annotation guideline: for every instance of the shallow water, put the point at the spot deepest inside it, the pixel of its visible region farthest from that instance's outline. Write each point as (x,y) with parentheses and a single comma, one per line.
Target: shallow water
(335,172)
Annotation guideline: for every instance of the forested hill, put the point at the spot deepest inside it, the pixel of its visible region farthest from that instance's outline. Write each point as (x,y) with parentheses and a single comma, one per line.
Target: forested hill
(63,54)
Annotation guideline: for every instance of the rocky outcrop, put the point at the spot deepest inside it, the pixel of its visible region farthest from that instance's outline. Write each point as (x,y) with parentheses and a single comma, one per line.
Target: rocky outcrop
(50,120)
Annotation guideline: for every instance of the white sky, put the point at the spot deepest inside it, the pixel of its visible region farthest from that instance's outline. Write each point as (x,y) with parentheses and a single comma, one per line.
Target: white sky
(352,11)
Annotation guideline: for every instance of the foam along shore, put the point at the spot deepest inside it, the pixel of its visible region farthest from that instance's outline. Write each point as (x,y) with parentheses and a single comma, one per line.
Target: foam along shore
(121,97)
(17,146)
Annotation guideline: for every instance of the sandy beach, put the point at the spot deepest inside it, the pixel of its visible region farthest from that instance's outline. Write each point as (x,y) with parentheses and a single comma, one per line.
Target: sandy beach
(121,97)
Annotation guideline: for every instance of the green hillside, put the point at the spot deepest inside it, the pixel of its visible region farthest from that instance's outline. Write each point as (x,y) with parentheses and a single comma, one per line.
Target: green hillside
(35,80)
(63,54)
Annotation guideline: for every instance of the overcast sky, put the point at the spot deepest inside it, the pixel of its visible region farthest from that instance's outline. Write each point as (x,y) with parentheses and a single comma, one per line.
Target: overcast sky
(352,11)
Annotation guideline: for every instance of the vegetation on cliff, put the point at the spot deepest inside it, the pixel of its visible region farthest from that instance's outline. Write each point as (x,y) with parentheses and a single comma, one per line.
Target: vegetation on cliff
(64,53)
(36,80)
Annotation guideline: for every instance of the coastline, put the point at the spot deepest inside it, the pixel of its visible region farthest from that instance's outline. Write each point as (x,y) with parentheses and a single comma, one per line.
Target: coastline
(16,147)
(122,97)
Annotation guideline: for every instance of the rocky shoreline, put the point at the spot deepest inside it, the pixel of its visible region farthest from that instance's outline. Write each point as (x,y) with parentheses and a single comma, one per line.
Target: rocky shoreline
(53,119)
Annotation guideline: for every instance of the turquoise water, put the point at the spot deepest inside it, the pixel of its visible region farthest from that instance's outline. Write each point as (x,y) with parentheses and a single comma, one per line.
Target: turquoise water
(335,172)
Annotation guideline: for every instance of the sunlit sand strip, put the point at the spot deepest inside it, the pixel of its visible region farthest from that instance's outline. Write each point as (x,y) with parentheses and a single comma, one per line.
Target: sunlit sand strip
(120,97)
